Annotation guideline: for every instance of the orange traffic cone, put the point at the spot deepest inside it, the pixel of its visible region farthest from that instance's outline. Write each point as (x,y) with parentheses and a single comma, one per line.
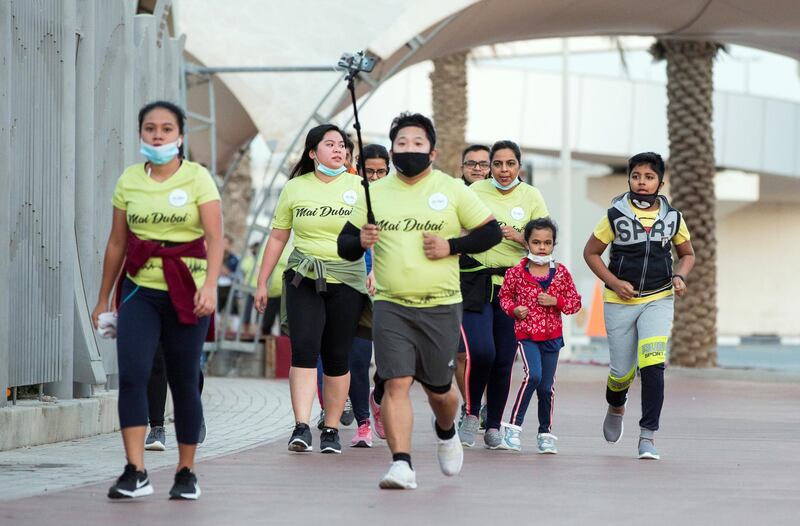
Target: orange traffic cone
(596,327)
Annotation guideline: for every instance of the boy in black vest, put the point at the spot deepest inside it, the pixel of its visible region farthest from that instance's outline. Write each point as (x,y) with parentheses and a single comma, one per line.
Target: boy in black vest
(641,228)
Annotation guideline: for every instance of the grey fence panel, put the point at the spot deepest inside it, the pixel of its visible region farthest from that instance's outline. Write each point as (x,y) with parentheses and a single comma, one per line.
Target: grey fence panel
(113,143)
(5,182)
(41,163)
(67,131)
(173,58)
(146,73)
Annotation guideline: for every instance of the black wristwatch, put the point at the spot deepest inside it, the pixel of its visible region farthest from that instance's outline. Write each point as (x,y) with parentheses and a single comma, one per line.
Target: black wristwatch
(681,277)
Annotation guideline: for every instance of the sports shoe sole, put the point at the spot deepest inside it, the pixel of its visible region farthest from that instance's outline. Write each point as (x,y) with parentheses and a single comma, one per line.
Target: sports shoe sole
(390,483)
(548,452)
(155,446)
(649,456)
(122,494)
(185,496)
(299,446)
(331,451)
(361,443)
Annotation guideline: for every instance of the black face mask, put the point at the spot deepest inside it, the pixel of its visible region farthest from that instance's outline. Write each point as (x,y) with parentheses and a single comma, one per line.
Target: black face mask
(411,164)
(642,201)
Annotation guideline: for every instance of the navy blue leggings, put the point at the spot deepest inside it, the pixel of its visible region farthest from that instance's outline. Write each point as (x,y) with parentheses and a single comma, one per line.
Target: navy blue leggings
(360,359)
(146,317)
(539,368)
(491,346)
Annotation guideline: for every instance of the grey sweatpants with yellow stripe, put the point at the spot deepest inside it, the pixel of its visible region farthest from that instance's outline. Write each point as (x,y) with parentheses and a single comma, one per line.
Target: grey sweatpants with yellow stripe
(638,336)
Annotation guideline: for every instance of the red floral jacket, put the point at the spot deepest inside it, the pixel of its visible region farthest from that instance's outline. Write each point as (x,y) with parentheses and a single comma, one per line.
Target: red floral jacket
(542,323)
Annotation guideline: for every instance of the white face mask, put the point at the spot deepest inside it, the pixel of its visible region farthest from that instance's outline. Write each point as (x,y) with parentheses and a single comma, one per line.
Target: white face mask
(540,260)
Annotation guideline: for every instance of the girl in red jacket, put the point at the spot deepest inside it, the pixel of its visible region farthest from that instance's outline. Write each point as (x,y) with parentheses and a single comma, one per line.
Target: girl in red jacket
(535,293)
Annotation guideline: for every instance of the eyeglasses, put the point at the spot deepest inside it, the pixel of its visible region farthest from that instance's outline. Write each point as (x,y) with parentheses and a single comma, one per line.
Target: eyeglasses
(483,165)
(380,172)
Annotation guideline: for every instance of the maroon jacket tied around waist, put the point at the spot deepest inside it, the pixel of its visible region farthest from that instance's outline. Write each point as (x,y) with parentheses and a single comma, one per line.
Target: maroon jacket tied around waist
(180,284)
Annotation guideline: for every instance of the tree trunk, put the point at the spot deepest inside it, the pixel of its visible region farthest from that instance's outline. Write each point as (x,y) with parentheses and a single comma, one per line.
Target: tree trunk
(691,172)
(449,89)
(236,196)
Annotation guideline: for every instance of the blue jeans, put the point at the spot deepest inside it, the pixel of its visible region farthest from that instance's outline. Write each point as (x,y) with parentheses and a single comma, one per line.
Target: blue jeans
(539,369)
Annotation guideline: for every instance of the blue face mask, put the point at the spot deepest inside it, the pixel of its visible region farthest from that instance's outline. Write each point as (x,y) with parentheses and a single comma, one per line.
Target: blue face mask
(159,154)
(511,185)
(330,172)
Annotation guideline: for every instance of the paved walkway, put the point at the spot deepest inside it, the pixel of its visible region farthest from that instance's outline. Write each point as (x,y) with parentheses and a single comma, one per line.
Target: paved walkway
(240,413)
(730,446)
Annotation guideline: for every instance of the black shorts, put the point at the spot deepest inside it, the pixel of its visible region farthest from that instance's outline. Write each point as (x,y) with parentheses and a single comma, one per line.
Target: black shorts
(420,342)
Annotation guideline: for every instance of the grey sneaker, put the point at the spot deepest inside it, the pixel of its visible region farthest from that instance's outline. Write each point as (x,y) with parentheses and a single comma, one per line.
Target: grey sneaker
(493,438)
(482,414)
(156,439)
(347,415)
(468,430)
(647,449)
(547,444)
(612,427)
(511,438)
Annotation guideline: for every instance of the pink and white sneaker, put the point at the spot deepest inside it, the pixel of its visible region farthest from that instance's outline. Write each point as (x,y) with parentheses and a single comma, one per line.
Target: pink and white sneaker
(376,416)
(363,436)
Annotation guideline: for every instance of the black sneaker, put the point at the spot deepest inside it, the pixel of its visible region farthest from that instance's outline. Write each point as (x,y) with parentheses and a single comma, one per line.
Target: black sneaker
(329,441)
(185,487)
(131,484)
(300,442)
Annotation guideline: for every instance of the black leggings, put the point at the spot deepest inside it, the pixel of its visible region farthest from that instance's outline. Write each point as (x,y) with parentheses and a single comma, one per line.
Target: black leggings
(322,324)
(147,317)
(157,389)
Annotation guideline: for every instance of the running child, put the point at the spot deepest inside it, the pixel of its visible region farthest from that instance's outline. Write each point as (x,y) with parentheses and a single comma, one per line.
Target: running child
(535,293)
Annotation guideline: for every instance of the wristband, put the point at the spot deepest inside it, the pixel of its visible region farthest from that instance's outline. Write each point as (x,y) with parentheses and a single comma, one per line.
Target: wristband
(681,278)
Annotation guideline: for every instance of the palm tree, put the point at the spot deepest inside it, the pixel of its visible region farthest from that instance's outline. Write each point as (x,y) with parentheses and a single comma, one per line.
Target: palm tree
(449,90)
(690,87)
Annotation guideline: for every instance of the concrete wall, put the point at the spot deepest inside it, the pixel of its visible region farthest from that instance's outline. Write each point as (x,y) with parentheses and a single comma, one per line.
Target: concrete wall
(759,286)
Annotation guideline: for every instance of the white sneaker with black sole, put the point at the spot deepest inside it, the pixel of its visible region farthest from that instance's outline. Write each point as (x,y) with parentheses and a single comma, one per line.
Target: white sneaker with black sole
(185,486)
(399,476)
(131,484)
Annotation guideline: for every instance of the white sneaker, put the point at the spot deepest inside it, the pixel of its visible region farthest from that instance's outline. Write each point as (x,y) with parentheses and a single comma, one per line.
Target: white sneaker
(399,476)
(449,453)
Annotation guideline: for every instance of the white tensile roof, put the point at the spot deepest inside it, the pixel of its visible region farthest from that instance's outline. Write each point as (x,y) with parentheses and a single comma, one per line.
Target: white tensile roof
(316,32)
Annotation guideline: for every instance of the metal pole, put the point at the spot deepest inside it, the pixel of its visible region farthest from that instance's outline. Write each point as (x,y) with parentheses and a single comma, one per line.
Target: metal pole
(566,185)
(212,116)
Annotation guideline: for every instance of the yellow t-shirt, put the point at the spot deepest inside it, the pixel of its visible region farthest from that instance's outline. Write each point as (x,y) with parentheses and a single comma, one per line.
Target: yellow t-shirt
(253,264)
(438,204)
(317,212)
(165,211)
(647,218)
(513,209)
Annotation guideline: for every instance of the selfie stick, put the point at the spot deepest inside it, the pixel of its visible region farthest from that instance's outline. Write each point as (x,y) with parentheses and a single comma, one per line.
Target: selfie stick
(351,75)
